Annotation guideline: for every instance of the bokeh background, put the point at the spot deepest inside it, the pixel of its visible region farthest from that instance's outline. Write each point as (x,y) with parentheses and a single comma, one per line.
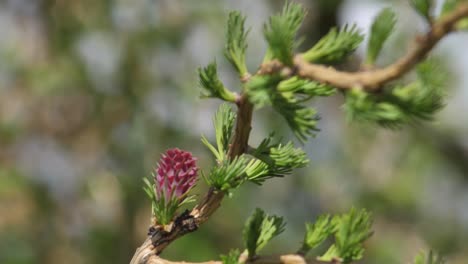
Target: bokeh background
(92,91)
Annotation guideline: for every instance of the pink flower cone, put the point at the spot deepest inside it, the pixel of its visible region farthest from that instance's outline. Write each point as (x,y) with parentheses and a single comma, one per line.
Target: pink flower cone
(176,174)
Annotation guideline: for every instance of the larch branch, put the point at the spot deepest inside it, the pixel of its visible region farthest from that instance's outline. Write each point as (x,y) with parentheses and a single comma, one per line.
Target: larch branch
(274,259)
(158,237)
(373,80)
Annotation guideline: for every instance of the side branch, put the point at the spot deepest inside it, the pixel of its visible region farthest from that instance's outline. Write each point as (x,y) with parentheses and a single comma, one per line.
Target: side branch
(160,237)
(373,80)
(275,259)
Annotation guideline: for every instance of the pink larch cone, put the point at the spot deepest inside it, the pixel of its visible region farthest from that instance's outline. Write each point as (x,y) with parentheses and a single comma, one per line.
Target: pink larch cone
(176,174)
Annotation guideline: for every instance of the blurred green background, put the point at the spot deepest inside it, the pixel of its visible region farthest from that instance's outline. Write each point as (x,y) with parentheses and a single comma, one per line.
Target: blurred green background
(92,91)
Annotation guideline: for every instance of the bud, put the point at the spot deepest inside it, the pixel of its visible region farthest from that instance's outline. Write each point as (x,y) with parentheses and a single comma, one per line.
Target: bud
(176,174)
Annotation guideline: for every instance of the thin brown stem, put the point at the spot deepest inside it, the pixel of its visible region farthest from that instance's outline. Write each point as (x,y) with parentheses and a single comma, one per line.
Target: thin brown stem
(243,128)
(373,80)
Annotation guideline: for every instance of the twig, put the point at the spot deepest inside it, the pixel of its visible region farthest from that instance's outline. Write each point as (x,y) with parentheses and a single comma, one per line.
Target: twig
(275,259)
(159,238)
(374,80)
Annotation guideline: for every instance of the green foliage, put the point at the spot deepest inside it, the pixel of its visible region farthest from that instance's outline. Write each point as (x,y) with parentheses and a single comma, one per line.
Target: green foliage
(301,119)
(296,86)
(286,157)
(350,231)
(277,160)
(449,6)
(228,174)
(423,7)
(232,257)
(258,171)
(211,85)
(164,209)
(161,209)
(363,106)
(263,90)
(280,32)
(335,46)
(260,229)
(381,29)
(236,42)
(418,100)
(223,124)
(431,258)
(424,97)
(317,232)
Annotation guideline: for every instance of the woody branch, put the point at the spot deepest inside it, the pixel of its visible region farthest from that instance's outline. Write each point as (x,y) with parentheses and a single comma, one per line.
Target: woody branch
(373,80)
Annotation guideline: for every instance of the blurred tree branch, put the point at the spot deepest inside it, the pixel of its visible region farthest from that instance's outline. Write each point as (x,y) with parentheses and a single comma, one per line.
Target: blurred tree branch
(372,80)
(147,256)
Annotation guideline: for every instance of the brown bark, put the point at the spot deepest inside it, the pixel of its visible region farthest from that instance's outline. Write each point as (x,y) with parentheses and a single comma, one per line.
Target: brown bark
(275,259)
